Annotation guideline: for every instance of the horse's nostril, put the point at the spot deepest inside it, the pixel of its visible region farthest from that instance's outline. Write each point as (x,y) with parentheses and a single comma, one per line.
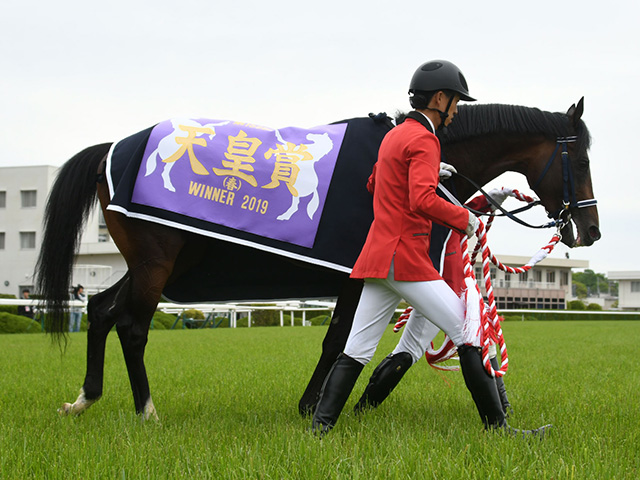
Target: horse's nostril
(594,233)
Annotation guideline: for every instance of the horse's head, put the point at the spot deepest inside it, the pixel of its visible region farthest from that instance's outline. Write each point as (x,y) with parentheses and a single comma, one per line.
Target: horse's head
(563,183)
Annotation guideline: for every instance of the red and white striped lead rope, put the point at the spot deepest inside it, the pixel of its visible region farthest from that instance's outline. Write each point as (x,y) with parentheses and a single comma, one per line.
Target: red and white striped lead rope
(491,329)
(490,321)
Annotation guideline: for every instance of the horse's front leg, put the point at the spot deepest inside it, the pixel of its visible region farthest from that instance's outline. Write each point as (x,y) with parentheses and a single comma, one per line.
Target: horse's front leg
(102,315)
(333,343)
(166,176)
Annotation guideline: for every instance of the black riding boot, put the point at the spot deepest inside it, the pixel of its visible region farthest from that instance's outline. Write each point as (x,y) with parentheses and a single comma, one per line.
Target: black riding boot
(335,392)
(502,391)
(383,380)
(485,393)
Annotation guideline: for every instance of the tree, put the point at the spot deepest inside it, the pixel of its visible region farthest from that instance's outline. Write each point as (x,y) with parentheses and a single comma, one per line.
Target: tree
(580,289)
(594,282)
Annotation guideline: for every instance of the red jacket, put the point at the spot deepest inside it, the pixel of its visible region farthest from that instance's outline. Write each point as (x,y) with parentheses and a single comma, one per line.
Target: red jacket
(404,204)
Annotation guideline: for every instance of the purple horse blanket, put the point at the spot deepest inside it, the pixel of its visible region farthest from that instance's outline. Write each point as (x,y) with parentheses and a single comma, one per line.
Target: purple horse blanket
(286,210)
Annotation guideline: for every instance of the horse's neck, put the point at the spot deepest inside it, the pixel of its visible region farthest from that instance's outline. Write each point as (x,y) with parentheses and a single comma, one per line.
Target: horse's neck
(485,158)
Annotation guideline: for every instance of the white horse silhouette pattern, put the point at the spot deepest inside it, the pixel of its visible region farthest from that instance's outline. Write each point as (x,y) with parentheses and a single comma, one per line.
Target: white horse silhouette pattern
(306,182)
(174,145)
(170,145)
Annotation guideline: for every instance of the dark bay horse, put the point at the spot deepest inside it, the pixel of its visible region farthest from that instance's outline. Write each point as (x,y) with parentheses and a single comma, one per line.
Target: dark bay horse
(483,142)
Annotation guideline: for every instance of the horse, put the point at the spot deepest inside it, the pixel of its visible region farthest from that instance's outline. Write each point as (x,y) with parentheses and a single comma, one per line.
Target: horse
(483,142)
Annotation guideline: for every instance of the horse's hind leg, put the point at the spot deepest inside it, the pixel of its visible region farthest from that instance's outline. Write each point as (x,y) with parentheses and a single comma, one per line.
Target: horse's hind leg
(292,209)
(133,334)
(102,316)
(142,294)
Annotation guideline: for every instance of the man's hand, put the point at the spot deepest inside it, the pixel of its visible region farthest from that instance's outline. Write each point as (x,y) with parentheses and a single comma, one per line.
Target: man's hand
(446,171)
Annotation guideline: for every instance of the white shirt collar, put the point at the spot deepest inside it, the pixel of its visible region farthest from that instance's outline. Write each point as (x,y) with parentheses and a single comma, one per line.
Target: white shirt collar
(428,120)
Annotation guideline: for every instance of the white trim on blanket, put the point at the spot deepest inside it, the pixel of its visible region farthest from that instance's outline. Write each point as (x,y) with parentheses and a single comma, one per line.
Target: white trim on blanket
(207,233)
(227,238)
(108,171)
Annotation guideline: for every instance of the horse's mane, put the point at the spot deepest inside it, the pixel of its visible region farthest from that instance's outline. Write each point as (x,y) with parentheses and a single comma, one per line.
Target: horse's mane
(478,120)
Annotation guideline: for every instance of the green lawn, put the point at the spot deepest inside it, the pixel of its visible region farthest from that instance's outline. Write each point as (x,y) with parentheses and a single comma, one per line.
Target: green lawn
(227,400)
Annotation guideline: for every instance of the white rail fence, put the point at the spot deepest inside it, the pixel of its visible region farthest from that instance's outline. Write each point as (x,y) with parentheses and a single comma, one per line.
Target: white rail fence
(288,309)
(232,311)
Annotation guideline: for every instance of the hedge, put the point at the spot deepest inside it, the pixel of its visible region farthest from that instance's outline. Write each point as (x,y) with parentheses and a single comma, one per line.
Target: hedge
(13,309)
(163,321)
(10,323)
(564,315)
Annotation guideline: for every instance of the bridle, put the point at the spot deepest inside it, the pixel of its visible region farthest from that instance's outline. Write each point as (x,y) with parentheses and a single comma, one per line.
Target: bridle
(568,181)
(559,218)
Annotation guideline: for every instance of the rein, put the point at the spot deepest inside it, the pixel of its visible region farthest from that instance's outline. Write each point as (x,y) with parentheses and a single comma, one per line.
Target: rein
(505,213)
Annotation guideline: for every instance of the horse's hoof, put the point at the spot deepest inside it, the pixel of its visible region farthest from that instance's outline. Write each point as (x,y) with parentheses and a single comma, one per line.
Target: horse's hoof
(65,409)
(149,412)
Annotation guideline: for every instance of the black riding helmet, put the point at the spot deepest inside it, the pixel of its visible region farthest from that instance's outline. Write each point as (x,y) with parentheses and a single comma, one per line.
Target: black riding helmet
(440,75)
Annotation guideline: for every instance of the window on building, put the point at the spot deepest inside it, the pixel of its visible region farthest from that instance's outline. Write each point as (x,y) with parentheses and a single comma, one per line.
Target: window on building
(27,240)
(635,287)
(537,276)
(1,240)
(478,273)
(524,276)
(507,279)
(3,199)
(564,278)
(28,198)
(551,276)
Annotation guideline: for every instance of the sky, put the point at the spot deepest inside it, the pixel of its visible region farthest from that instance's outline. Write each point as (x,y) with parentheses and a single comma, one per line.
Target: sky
(78,73)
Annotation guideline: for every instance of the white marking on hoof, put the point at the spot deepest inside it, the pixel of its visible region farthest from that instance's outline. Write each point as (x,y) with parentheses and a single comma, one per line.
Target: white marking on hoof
(77,407)
(65,409)
(150,411)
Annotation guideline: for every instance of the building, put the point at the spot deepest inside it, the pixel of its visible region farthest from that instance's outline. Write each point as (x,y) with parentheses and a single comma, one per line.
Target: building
(628,289)
(23,194)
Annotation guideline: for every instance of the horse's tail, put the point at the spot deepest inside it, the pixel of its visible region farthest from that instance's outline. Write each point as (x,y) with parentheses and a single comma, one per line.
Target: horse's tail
(152,162)
(72,197)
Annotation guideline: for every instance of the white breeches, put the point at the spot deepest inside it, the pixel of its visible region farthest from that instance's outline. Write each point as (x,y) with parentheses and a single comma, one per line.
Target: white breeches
(434,300)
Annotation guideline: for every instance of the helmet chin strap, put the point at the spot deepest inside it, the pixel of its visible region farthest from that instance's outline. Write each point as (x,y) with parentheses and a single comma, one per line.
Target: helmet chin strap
(443,115)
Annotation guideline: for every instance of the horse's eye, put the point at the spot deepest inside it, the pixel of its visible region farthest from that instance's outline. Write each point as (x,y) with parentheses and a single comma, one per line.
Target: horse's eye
(583,164)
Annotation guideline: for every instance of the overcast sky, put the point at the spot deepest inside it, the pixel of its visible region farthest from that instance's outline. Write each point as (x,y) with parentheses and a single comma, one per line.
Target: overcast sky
(77,73)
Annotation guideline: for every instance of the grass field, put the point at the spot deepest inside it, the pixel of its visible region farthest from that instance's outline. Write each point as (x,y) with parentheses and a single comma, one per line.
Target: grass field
(227,400)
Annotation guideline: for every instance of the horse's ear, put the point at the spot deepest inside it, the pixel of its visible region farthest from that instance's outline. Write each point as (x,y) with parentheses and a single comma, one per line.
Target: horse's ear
(575,112)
